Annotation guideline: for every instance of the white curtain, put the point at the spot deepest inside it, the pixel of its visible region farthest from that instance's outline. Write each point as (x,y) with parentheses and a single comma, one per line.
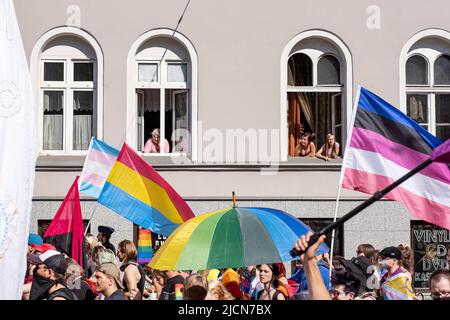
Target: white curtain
(417,110)
(53,132)
(82,131)
(148,72)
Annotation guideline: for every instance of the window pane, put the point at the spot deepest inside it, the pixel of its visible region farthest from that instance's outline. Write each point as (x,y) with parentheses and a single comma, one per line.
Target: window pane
(328,70)
(53,71)
(442,70)
(300,70)
(417,107)
(443,132)
(83,112)
(176,72)
(416,70)
(180,135)
(83,71)
(148,72)
(53,120)
(442,108)
(152,119)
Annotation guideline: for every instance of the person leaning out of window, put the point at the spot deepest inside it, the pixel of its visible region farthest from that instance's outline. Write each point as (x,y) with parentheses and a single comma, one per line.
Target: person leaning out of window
(306,147)
(330,150)
(152,144)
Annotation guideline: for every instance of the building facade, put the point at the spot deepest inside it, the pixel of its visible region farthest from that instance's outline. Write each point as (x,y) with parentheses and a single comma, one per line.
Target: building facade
(229,84)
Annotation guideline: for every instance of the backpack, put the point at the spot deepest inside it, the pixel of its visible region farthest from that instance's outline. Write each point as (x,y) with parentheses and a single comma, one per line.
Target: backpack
(65,293)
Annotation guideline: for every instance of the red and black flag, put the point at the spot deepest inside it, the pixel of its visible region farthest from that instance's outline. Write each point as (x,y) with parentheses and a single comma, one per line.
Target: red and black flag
(65,231)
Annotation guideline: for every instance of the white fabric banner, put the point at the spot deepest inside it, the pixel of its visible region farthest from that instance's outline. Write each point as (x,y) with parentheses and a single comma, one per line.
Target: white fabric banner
(17,154)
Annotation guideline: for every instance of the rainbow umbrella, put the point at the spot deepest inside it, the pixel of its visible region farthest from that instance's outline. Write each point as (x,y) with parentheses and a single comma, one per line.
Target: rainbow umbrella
(231,238)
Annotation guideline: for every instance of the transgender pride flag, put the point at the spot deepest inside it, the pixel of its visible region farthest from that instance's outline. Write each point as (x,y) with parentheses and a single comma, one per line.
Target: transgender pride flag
(99,162)
(384,145)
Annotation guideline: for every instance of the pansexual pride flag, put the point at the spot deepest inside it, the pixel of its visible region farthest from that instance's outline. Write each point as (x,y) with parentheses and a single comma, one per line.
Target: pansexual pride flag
(384,145)
(138,193)
(145,249)
(99,162)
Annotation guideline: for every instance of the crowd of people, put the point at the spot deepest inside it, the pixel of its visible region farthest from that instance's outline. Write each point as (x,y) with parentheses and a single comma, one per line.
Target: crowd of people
(116,275)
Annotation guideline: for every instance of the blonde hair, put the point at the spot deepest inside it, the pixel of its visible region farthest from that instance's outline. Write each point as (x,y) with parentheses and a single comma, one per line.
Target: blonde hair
(217,289)
(92,241)
(129,249)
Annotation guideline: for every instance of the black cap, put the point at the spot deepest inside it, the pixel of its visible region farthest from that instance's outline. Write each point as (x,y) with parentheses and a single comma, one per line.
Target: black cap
(105,230)
(54,260)
(391,252)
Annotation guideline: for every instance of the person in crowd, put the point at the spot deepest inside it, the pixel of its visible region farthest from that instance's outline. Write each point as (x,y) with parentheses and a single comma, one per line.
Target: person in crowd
(90,242)
(300,276)
(34,240)
(48,278)
(345,285)
(134,275)
(330,150)
(306,147)
(316,286)
(251,274)
(406,262)
(195,287)
(158,281)
(76,281)
(173,279)
(268,276)
(217,291)
(152,144)
(104,234)
(232,282)
(439,284)
(395,284)
(107,281)
(368,251)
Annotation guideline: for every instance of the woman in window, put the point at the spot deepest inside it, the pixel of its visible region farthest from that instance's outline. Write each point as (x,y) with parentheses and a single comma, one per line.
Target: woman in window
(306,147)
(134,275)
(268,276)
(330,150)
(152,144)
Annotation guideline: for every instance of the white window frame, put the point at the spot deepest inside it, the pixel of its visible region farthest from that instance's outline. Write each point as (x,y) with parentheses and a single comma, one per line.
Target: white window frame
(431,90)
(191,86)
(68,86)
(36,70)
(346,87)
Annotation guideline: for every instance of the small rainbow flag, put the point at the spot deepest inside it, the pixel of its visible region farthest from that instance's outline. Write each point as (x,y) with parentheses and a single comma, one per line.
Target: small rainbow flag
(145,250)
(138,193)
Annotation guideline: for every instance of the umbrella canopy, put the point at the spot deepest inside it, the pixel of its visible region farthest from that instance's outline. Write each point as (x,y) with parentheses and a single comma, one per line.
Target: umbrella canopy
(231,238)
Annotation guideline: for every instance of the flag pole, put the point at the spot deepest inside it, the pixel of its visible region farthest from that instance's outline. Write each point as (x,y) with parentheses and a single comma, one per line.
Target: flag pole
(375,197)
(341,176)
(90,219)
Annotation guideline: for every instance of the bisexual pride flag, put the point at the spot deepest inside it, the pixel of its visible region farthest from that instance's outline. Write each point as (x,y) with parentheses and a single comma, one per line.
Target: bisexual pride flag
(384,145)
(99,162)
(138,193)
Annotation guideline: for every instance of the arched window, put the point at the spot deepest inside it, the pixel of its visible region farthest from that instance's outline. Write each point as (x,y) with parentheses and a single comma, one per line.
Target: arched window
(416,70)
(66,64)
(161,80)
(442,70)
(316,89)
(328,71)
(427,89)
(300,70)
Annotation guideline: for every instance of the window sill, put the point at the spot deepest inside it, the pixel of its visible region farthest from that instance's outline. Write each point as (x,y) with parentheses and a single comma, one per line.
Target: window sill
(180,163)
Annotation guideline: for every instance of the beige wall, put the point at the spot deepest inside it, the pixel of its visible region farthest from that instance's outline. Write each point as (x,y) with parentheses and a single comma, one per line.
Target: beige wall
(239,46)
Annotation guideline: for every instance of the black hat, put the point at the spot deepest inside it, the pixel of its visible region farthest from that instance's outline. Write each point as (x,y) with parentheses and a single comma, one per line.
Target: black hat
(105,230)
(391,252)
(54,260)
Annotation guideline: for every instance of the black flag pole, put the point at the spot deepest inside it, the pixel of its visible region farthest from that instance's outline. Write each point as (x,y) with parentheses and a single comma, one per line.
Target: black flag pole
(377,196)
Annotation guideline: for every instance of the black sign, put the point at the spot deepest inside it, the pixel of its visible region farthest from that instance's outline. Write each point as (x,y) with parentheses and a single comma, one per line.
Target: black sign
(157,241)
(430,245)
